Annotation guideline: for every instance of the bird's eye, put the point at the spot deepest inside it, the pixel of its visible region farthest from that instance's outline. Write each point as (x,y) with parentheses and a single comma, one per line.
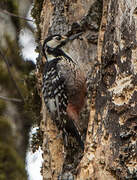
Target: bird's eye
(58,38)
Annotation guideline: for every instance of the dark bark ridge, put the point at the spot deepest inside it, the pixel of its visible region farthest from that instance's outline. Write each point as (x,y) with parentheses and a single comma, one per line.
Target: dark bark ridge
(117,92)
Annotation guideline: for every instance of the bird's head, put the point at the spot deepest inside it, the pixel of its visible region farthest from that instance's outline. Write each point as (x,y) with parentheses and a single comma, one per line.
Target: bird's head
(52,46)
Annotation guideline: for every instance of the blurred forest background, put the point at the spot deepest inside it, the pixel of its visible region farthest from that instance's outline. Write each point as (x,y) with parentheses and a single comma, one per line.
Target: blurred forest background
(17,77)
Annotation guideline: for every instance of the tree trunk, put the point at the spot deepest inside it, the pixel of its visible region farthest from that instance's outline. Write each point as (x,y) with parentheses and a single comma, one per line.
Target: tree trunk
(111,149)
(110,146)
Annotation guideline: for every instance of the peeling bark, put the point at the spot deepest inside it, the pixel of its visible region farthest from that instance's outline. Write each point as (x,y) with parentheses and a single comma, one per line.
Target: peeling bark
(110,148)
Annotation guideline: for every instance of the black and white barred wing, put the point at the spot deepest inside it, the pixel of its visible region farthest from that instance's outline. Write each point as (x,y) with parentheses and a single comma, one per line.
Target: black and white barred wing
(54,92)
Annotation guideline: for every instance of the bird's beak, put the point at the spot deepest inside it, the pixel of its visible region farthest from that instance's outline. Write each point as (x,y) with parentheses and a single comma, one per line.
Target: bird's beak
(70,38)
(74,36)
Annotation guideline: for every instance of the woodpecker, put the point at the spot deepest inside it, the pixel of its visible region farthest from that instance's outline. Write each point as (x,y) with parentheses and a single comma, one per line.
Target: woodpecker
(64,85)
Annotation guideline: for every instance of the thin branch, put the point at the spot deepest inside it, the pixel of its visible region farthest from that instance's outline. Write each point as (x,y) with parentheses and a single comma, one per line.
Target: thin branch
(14,15)
(10,99)
(11,76)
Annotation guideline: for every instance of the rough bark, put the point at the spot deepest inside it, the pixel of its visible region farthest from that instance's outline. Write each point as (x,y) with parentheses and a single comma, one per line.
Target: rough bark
(110,148)
(64,17)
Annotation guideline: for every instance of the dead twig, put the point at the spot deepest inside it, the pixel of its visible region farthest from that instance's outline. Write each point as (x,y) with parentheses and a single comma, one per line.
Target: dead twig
(10,99)
(14,15)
